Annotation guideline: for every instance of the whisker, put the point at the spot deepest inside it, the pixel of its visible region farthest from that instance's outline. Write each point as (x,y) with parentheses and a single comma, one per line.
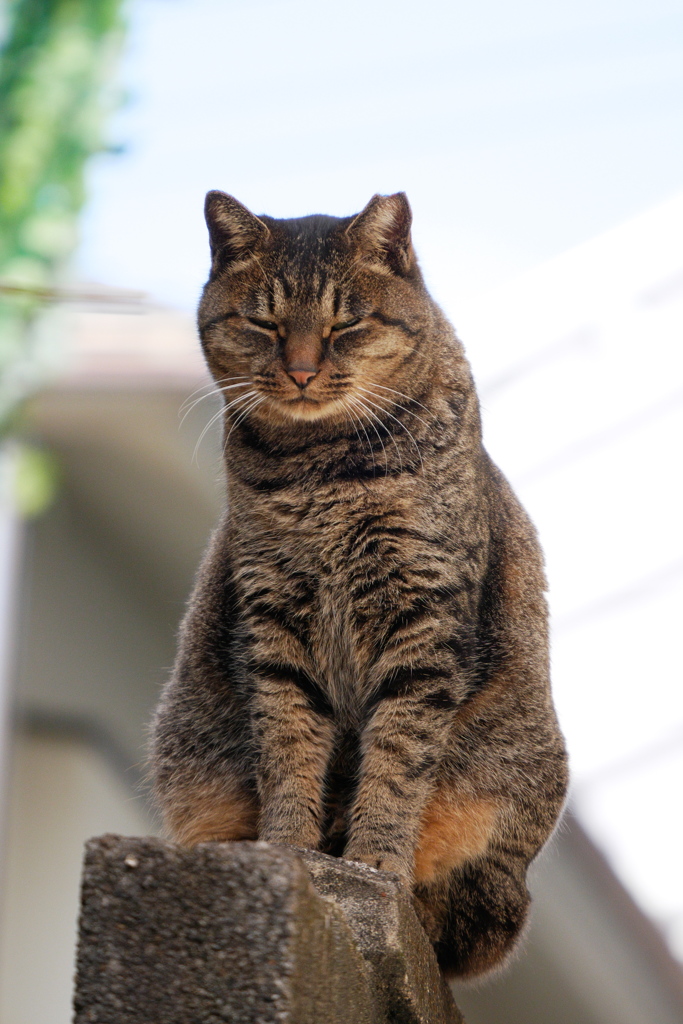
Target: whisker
(204,387)
(359,401)
(242,414)
(387,399)
(401,395)
(367,438)
(355,419)
(217,416)
(211,384)
(209,395)
(240,398)
(401,425)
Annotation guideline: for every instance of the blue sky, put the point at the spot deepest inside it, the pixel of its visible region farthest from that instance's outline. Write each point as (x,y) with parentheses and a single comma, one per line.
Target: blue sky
(517,130)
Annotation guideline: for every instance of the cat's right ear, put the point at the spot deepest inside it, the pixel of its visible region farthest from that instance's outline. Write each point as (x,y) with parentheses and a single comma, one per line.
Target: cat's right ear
(234,231)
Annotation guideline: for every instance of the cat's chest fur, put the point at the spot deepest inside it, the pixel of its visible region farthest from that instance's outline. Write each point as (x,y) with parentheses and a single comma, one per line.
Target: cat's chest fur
(339,563)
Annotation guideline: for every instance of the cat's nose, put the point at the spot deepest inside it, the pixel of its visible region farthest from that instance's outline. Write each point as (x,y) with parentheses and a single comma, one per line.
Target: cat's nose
(301,376)
(302,355)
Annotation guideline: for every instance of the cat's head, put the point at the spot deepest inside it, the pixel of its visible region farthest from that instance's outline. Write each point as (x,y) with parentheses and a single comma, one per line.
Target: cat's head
(315,317)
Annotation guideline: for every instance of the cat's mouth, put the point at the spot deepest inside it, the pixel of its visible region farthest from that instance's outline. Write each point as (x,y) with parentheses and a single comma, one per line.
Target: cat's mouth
(306,406)
(303,403)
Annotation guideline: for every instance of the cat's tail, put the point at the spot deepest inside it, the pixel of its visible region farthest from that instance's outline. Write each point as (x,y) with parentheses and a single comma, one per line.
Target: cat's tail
(476,916)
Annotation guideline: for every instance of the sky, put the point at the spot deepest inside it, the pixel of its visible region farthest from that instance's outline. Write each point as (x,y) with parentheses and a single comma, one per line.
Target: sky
(541,147)
(517,130)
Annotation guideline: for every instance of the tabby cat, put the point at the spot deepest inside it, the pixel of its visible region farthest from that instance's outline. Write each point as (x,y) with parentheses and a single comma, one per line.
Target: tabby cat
(363,667)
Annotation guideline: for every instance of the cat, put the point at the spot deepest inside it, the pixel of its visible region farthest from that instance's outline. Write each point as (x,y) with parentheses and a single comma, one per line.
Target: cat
(363,666)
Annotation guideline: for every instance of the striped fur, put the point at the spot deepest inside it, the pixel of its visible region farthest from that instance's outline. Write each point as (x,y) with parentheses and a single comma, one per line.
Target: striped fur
(363,667)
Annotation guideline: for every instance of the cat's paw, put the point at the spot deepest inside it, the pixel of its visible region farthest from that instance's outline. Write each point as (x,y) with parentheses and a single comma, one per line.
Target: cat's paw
(279,835)
(383,862)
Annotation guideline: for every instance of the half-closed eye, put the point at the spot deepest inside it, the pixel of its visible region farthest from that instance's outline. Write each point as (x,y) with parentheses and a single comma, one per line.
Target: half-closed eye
(347,323)
(265,325)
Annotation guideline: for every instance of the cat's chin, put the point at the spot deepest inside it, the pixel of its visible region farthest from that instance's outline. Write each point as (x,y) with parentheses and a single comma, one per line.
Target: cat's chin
(303,409)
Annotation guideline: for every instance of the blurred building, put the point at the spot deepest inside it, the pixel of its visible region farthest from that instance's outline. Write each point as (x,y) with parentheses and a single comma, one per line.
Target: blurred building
(583,400)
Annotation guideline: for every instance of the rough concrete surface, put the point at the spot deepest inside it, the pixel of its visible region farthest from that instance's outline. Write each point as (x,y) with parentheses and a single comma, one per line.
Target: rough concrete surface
(237,932)
(408,983)
(224,932)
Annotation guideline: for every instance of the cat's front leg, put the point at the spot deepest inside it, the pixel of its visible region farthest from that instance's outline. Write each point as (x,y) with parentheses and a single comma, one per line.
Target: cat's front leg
(403,746)
(294,733)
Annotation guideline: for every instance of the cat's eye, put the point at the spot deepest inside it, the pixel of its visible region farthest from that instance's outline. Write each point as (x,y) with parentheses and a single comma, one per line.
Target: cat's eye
(266,325)
(346,324)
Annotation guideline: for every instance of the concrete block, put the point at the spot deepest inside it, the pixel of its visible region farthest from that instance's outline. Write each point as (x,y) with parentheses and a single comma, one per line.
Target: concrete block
(224,932)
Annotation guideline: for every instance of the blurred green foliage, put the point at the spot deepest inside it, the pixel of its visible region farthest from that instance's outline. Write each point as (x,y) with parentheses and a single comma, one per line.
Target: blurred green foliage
(35,479)
(56,73)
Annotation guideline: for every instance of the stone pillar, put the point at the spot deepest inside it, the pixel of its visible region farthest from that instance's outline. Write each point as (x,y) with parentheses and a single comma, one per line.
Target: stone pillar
(251,934)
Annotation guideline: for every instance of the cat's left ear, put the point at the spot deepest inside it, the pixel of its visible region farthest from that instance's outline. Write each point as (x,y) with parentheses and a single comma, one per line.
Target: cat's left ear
(382,229)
